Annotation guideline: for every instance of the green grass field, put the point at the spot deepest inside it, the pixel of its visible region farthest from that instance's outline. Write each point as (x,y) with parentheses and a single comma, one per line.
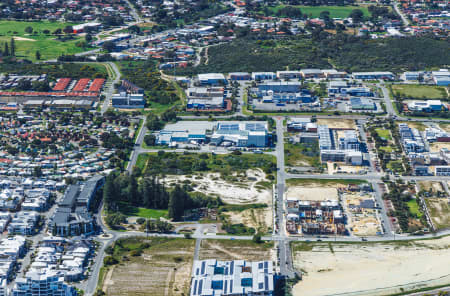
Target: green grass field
(414,208)
(129,210)
(47,44)
(386,148)
(335,11)
(384,133)
(419,91)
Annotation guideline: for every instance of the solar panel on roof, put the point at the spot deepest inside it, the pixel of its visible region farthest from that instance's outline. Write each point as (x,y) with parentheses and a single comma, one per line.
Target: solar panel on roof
(226,285)
(203,267)
(200,287)
(266,264)
(195,287)
(261,286)
(231,286)
(266,282)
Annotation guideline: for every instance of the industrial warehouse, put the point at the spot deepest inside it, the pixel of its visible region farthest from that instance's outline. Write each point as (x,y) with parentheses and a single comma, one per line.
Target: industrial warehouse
(226,133)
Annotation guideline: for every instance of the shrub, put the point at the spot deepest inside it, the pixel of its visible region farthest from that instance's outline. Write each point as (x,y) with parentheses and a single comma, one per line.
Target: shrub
(110,260)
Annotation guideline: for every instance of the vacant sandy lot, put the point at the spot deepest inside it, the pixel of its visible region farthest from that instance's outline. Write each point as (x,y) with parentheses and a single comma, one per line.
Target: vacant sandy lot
(235,250)
(161,270)
(436,147)
(439,209)
(259,219)
(427,185)
(311,193)
(243,192)
(371,269)
(337,123)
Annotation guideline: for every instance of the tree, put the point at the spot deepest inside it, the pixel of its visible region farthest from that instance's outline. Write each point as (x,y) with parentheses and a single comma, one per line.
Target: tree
(177,201)
(6,50)
(13,47)
(356,15)
(110,260)
(29,30)
(57,31)
(88,38)
(109,46)
(110,194)
(68,30)
(257,238)
(150,140)
(38,55)
(37,172)
(115,219)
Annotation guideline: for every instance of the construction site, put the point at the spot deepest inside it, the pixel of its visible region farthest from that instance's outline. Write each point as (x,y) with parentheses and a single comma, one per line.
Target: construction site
(362,212)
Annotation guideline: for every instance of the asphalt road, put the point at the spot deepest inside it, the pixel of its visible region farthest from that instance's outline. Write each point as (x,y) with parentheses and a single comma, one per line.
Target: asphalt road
(110,91)
(138,145)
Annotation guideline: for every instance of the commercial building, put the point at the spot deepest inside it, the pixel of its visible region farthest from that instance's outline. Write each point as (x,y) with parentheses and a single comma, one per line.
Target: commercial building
(335,87)
(279,87)
(289,74)
(212,79)
(345,156)
(128,101)
(301,124)
(442,170)
(238,76)
(349,141)
(206,98)
(263,75)
(288,98)
(427,106)
(357,91)
(334,74)
(441,77)
(230,133)
(412,76)
(238,277)
(325,141)
(373,75)
(411,139)
(72,216)
(363,104)
(245,134)
(312,73)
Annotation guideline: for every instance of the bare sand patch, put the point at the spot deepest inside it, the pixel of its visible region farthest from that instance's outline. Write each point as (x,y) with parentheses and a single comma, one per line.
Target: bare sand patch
(434,185)
(311,193)
(260,219)
(163,270)
(437,146)
(372,269)
(235,250)
(245,191)
(439,209)
(337,123)
(23,39)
